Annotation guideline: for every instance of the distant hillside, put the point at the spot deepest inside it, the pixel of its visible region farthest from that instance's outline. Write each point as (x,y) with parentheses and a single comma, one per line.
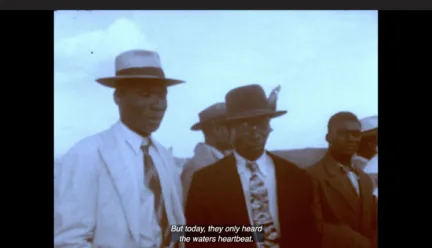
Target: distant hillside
(302,157)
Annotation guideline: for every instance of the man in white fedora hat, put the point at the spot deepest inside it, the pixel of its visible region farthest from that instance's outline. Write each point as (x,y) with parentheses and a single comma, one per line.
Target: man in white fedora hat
(217,142)
(367,154)
(119,188)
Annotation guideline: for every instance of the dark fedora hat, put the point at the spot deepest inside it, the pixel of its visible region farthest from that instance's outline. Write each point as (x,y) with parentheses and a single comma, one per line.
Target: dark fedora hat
(138,64)
(248,102)
(212,114)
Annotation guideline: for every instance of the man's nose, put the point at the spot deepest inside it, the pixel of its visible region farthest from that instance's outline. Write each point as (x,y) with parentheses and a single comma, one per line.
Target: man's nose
(256,134)
(352,137)
(159,104)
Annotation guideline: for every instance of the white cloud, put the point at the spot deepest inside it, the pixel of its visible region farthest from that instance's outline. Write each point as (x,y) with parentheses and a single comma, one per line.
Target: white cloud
(81,104)
(90,48)
(315,56)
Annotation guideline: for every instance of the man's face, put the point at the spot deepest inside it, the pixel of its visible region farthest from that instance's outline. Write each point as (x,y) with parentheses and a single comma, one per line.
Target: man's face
(344,137)
(250,135)
(221,135)
(370,142)
(142,106)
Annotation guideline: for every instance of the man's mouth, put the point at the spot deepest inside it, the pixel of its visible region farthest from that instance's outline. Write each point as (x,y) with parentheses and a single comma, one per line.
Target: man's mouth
(154,121)
(155,117)
(256,146)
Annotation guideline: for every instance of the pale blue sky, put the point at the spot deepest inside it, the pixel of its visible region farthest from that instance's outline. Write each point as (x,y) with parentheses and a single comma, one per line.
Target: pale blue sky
(325,61)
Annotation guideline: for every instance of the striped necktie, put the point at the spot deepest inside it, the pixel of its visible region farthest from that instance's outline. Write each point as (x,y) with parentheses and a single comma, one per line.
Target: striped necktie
(151,180)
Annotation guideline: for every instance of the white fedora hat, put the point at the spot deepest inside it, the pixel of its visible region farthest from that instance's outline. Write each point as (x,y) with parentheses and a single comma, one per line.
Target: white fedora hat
(138,64)
(369,123)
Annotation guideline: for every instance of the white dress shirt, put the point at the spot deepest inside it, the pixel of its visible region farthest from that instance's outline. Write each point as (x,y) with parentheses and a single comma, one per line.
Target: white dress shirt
(135,142)
(267,173)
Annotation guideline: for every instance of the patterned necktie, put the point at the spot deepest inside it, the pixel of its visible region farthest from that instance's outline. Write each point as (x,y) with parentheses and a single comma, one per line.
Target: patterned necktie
(260,207)
(151,180)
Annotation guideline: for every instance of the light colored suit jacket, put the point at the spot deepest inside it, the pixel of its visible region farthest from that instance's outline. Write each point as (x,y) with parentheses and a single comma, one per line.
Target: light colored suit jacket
(97,195)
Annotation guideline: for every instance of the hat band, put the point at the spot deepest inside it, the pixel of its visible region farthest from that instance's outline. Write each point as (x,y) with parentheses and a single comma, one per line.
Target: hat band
(212,119)
(141,71)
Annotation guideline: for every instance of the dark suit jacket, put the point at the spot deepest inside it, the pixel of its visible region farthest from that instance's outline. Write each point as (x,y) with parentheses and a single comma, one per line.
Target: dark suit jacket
(216,198)
(346,219)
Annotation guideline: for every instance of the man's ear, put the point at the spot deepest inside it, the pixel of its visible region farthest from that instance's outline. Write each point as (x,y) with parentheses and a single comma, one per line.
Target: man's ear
(327,138)
(116,97)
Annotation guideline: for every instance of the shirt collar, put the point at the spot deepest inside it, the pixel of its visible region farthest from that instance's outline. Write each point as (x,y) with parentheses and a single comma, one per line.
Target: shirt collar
(261,162)
(134,140)
(216,153)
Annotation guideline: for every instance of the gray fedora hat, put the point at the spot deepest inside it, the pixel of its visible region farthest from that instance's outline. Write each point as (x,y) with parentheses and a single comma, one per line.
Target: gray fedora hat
(138,64)
(248,102)
(213,113)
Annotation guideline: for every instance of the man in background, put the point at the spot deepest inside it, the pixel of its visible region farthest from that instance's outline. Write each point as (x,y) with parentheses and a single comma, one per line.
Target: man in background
(346,209)
(367,154)
(120,188)
(372,170)
(253,186)
(217,142)
(369,144)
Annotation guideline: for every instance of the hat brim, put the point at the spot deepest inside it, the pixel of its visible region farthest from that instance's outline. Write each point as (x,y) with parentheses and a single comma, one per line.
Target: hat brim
(199,125)
(257,113)
(112,82)
(370,132)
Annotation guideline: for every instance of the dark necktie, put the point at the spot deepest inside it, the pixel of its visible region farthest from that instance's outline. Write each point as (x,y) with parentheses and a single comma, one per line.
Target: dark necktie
(151,180)
(353,178)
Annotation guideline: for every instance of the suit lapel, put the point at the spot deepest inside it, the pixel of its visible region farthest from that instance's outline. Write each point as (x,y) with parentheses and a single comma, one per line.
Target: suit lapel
(171,187)
(340,183)
(294,196)
(366,194)
(283,193)
(119,163)
(231,195)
